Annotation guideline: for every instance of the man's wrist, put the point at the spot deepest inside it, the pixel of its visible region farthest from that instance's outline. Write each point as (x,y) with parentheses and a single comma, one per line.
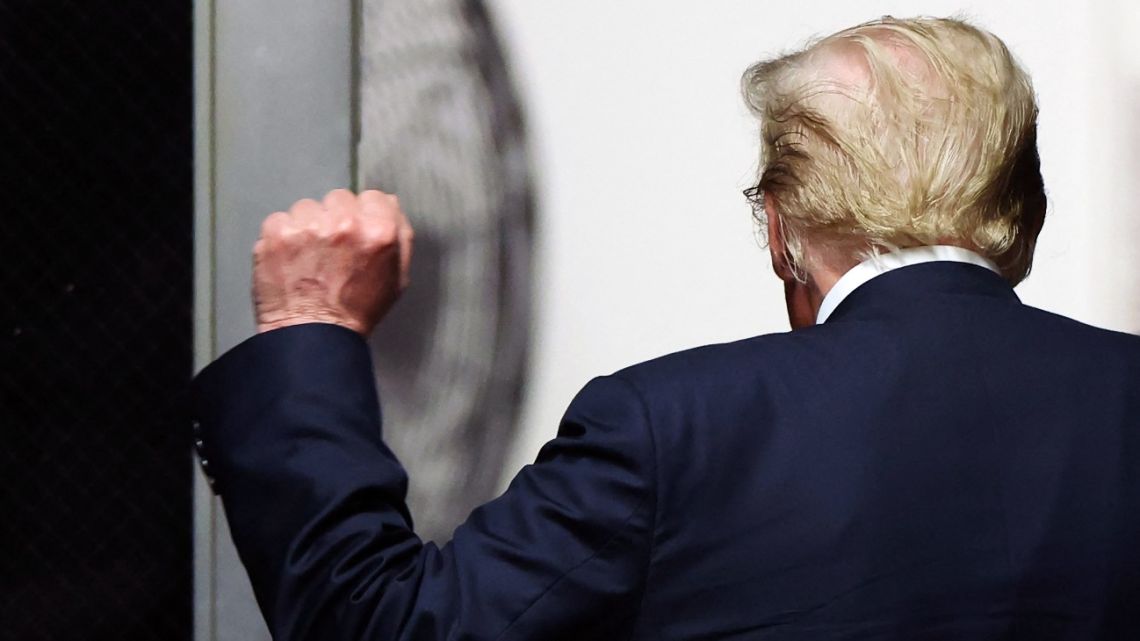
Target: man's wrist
(291,321)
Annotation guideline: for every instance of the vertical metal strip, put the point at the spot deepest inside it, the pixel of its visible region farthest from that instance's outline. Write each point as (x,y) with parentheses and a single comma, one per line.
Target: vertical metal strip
(356,24)
(205,628)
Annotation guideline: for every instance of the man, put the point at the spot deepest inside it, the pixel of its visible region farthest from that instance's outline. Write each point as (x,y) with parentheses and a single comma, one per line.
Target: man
(924,457)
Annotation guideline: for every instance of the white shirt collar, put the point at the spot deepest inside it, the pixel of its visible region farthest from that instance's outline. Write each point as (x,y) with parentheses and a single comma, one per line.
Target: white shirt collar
(883,263)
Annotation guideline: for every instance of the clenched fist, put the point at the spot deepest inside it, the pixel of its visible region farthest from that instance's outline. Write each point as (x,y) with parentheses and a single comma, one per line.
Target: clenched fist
(343,261)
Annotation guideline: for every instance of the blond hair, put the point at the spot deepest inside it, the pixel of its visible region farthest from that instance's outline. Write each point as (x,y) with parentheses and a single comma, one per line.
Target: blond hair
(900,133)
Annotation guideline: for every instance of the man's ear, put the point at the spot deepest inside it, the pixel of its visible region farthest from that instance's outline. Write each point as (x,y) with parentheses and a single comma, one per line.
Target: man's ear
(776,246)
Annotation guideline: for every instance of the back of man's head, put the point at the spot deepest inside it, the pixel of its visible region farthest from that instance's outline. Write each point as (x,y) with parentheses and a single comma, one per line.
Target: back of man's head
(900,133)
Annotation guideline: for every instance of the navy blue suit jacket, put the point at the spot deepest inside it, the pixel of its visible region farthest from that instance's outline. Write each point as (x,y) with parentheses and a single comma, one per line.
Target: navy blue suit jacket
(936,461)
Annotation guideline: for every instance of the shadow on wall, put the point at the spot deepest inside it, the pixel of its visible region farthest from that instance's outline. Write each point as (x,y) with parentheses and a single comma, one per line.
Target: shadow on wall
(441,128)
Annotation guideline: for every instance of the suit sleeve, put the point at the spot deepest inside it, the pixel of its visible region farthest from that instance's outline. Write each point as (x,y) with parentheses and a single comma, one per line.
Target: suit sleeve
(290,424)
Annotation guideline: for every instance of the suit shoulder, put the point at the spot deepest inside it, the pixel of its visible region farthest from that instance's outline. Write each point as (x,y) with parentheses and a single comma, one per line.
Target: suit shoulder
(1109,340)
(715,360)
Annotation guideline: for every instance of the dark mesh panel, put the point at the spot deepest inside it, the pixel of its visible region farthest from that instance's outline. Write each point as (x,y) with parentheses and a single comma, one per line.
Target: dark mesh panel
(95,325)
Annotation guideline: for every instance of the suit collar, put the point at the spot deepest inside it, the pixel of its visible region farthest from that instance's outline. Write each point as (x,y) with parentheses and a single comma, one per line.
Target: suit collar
(879,264)
(904,285)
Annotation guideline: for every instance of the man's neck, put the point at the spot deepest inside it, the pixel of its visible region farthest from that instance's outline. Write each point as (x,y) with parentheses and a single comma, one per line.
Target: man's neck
(804,299)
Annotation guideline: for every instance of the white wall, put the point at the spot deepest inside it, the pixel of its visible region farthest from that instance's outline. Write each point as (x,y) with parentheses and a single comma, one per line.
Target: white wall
(642,147)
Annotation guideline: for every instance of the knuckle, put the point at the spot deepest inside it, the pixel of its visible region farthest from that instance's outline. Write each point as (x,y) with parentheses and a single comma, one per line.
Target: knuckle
(380,234)
(274,224)
(373,201)
(343,226)
(304,208)
(303,205)
(339,198)
(291,235)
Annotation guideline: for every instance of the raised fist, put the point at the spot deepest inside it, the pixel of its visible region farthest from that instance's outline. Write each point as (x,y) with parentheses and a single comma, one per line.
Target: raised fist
(343,260)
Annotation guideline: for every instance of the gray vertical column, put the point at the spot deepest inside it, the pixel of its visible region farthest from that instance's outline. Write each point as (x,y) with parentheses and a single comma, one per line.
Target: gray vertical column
(204,553)
(275,122)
